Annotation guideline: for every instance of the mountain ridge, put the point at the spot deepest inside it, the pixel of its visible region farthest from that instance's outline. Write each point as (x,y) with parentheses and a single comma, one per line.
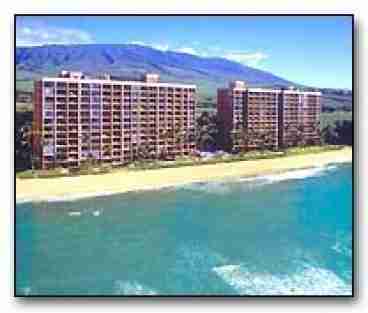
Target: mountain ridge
(133,60)
(130,61)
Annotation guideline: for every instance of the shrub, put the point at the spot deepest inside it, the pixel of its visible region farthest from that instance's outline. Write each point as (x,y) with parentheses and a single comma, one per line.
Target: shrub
(27,174)
(105,168)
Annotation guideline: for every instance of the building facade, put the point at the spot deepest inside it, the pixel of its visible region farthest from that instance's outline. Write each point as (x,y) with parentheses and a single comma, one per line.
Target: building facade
(77,118)
(299,117)
(253,118)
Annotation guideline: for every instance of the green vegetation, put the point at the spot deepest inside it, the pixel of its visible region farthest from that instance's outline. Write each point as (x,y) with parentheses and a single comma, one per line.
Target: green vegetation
(341,133)
(23,122)
(311,149)
(23,107)
(336,100)
(208,138)
(24,85)
(208,132)
(180,162)
(330,118)
(337,127)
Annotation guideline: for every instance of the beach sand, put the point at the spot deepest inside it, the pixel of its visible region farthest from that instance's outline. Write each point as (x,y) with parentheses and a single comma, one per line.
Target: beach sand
(124,180)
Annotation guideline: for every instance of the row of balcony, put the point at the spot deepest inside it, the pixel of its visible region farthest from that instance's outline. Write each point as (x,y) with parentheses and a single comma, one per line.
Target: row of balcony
(114,88)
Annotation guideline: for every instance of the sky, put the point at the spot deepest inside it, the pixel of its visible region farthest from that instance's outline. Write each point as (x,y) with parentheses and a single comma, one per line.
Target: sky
(311,50)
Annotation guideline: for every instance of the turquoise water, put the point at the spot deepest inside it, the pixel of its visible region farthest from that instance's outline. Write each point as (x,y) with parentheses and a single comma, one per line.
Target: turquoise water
(287,234)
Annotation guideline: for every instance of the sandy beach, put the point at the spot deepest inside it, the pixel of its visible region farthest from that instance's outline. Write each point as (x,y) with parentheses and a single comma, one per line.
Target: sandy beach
(125,180)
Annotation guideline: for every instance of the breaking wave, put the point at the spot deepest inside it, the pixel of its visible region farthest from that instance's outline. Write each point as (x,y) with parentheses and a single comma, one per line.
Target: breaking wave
(226,186)
(128,288)
(26,291)
(308,281)
(342,248)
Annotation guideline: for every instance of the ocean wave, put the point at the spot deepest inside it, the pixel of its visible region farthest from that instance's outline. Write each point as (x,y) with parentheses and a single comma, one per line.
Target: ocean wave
(26,291)
(90,211)
(298,174)
(195,255)
(74,213)
(341,248)
(129,288)
(218,187)
(290,175)
(308,281)
(224,186)
(24,200)
(73,197)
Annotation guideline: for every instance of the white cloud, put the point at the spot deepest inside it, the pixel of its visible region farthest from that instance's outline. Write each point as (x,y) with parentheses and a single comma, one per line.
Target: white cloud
(251,59)
(139,43)
(159,46)
(188,50)
(29,36)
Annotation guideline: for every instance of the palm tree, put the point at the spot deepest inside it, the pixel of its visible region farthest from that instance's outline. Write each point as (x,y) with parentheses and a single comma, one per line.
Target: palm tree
(235,137)
(316,129)
(144,151)
(329,135)
(300,138)
(262,138)
(207,132)
(164,136)
(179,137)
(269,139)
(246,138)
(287,133)
(107,149)
(28,133)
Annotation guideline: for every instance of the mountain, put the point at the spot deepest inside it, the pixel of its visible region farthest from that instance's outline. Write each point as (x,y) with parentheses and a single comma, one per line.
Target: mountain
(127,61)
(130,61)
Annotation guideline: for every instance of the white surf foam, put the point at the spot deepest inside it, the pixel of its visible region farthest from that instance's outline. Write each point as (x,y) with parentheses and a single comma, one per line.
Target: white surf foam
(342,249)
(297,174)
(223,187)
(26,290)
(96,213)
(74,197)
(308,281)
(217,187)
(132,288)
(290,175)
(75,213)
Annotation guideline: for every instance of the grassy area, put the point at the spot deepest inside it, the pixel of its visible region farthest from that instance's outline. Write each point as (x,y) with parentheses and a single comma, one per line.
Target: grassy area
(24,85)
(185,161)
(329,118)
(23,107)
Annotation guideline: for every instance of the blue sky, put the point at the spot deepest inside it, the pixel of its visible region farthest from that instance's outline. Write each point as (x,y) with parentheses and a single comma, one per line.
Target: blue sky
(315,51)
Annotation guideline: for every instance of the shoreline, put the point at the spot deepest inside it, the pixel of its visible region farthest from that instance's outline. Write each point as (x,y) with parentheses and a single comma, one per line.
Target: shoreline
(86,186)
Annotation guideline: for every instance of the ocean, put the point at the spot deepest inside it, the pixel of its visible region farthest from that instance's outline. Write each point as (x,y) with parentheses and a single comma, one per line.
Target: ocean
(285,234)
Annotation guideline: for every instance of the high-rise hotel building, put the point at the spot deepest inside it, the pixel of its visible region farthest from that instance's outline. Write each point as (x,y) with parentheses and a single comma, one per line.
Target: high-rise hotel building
(277,114)
(76,118)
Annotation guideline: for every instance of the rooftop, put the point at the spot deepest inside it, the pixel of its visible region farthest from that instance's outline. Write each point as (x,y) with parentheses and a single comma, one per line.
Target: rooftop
(149,79)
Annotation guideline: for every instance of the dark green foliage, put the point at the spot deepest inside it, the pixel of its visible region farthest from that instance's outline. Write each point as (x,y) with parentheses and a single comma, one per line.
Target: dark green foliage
(208,132)
(341,133)
(23,121)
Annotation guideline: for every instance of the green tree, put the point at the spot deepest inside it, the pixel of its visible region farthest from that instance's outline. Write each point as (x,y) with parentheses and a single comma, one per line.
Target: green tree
(207,132)
(164,136)
(28,132)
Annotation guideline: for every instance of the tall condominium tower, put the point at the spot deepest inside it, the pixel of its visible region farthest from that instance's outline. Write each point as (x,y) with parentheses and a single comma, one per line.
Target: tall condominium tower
(252,117)
(77,118)
(299,117)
